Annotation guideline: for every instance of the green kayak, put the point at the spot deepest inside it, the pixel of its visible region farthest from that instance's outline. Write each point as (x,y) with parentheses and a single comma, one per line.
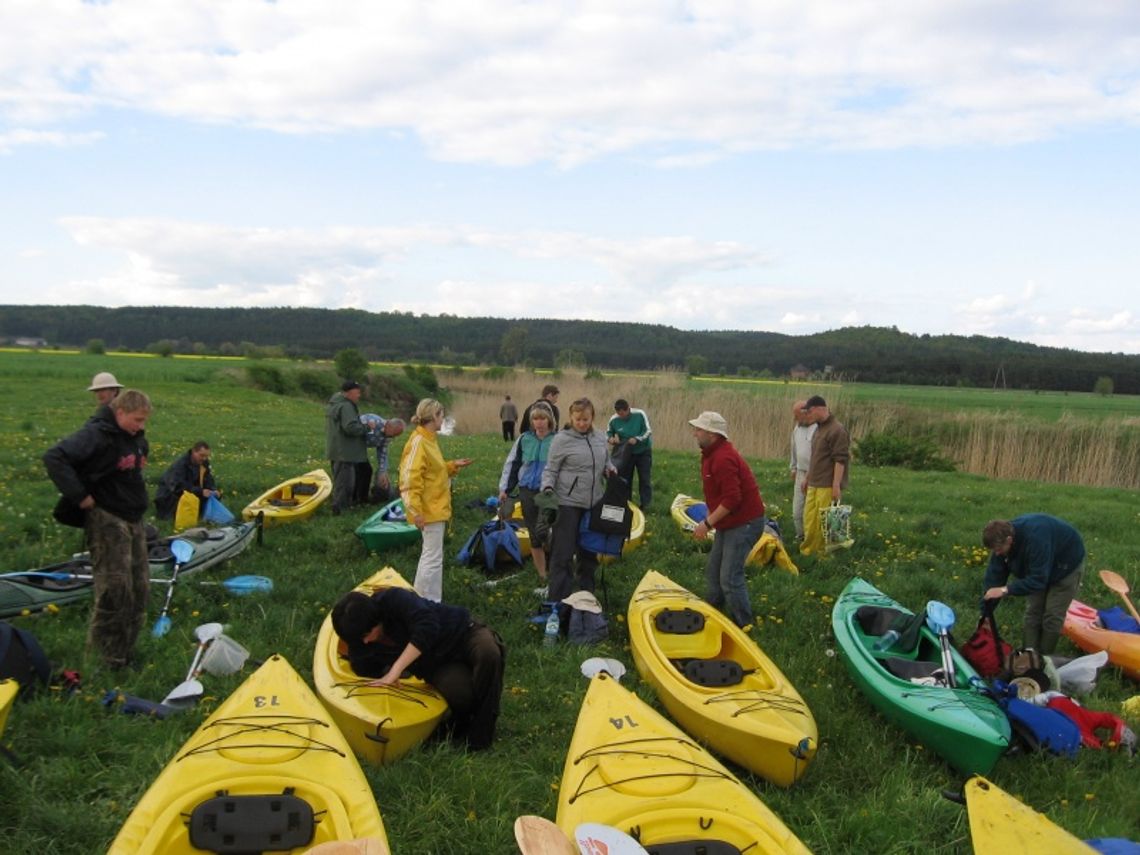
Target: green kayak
(34,590)
(961,725)
(387,528)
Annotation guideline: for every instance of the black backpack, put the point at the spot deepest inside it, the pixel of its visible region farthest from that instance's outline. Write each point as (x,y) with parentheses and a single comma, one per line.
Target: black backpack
(21,658)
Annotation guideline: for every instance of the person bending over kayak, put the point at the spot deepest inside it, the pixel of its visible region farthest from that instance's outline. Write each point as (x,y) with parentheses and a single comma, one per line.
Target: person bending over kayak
(394,631)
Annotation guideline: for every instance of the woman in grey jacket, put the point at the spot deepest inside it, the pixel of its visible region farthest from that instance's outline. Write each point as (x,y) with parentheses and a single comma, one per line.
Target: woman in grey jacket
(577,459)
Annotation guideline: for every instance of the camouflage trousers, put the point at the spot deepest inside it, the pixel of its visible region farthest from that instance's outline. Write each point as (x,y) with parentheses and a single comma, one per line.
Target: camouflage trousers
(121,573)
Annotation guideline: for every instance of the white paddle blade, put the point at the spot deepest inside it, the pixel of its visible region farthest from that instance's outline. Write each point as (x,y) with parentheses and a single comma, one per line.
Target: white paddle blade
(596,665)
(596,839)
(184,694)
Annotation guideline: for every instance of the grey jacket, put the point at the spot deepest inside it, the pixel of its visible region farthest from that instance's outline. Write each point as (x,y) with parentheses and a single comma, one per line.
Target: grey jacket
(344,433)
(574,467)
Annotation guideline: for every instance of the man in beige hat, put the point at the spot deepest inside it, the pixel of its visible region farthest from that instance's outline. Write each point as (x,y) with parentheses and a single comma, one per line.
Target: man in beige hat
(105,387)
(735,510)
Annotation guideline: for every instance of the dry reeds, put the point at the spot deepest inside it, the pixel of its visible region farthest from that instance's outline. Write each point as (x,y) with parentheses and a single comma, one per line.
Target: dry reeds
(759,416)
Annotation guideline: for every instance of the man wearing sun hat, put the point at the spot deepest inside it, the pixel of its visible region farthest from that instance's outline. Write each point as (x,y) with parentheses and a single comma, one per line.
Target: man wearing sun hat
(735,510)
(105,387)
(827,472)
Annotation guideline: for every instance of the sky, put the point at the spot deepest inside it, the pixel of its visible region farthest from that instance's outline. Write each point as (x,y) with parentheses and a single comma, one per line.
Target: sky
(945,166)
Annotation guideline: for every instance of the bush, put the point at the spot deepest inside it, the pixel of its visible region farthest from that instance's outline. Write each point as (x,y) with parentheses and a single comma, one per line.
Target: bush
(268,378)
(594,374)
(909,452)
(96,346)
(350,363)
(497,372)
(424,376)
(315,383)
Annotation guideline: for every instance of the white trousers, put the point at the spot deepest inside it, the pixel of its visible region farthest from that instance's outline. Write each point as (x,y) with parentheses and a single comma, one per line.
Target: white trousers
(429,572)
(798,499)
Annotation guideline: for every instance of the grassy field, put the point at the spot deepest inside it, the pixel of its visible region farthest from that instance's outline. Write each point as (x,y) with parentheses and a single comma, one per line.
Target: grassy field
(869,790)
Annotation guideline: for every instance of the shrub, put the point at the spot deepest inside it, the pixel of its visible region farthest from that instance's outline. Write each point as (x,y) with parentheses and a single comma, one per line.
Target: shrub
(424,376)
(1103,386)
(911,452)
(594,374)
(315,383)
(497,372)
(96,346)
(350,363)
(268,378)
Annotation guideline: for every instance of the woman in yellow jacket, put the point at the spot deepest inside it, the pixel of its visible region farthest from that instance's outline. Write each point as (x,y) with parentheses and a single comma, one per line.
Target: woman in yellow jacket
(425,487)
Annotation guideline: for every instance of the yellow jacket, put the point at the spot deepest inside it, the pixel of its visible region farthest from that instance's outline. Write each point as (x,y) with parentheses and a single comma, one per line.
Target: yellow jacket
(425,478)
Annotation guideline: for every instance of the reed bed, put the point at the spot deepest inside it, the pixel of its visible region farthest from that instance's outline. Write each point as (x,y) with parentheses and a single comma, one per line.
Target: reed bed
(995,444)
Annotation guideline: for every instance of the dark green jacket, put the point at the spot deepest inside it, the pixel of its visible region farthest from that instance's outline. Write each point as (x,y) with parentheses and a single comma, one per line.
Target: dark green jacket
(344,432)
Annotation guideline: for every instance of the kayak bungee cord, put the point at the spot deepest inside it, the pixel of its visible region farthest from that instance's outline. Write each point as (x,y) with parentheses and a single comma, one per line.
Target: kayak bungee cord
(273,724)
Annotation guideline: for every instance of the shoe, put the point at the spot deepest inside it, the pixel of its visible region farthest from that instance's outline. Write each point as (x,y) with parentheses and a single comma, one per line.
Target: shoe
(542,593)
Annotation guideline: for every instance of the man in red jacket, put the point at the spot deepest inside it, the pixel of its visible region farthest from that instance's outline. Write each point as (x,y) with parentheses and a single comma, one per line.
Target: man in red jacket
(735,510)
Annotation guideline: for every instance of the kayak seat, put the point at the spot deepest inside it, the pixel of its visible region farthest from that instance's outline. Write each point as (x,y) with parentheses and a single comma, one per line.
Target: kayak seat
(283,503)
(909,669)
(693,847)
(712,672)
(232,825)
(681,634)
(305,489)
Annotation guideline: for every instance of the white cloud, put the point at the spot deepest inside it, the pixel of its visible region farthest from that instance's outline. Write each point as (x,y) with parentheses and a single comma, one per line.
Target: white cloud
(565,82)
(13,139)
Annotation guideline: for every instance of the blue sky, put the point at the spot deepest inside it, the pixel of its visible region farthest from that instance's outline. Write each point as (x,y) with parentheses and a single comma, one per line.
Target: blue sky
(942,167)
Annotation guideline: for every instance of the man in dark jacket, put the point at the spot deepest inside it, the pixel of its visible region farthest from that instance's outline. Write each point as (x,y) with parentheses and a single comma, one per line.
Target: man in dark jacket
(396,630)
(190,472)
(344,443)
(99,472)
(1046,557)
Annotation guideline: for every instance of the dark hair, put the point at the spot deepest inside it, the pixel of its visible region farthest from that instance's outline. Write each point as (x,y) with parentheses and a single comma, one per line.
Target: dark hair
(200,444)
(354,615)
(621,404)
(996,532)
(815,401)
(549,389)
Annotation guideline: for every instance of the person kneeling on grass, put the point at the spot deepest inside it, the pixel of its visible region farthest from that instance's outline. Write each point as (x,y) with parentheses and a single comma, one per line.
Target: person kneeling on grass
(394,631)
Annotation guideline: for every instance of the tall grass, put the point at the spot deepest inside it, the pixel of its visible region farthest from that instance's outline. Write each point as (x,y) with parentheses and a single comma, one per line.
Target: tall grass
(1071,450)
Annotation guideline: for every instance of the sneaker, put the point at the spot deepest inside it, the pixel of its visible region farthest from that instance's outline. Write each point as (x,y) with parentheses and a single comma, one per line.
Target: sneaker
(542,593)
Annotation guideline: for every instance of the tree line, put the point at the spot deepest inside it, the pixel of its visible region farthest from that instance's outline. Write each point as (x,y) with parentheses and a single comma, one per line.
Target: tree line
(870,354)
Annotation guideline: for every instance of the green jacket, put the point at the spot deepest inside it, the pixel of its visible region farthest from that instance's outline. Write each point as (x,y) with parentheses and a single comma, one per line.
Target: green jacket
(344,432)
(636,425)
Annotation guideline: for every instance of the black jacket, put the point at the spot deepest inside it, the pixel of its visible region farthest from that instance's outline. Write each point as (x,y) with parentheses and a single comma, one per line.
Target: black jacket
(180,477)
(104,461)
(435,628)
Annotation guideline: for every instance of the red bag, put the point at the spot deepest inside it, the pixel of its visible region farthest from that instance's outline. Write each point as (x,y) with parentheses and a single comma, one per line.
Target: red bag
(984,649)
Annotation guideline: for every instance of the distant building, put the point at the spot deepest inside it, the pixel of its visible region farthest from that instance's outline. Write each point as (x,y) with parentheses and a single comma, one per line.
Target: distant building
(29,341)
(799,372)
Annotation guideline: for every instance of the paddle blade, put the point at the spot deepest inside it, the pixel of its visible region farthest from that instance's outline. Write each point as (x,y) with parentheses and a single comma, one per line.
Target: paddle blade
(939,616)
(1114,581)
(538,836)
(161,626)
(594,838)
(244,585)
(183,550)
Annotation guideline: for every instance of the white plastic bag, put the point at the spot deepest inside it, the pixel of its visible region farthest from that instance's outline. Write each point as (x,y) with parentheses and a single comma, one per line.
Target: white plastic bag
(1078,677)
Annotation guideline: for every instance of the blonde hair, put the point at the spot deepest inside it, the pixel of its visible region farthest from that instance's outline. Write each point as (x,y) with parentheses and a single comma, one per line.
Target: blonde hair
(131,401)
(581,405)
(541,410)
(426,410)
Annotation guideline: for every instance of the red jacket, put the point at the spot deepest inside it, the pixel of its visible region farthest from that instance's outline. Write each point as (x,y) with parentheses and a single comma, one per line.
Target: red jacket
(727,480)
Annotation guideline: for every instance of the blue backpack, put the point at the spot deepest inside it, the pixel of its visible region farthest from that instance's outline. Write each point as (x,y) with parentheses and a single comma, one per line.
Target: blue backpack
(494,543)
(1038,728)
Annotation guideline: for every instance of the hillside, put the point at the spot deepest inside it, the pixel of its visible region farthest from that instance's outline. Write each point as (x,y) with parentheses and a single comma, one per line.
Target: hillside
(871,354)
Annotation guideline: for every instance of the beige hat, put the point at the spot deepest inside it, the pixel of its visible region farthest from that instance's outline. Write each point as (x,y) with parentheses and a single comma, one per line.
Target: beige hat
(712,422)
(584,601)
(104,380)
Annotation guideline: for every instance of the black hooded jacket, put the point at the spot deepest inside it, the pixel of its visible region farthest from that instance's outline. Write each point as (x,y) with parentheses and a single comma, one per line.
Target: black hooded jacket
(104,461)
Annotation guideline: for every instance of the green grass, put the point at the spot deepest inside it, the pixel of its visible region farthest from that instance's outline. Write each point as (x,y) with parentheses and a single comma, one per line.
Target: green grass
(869,790)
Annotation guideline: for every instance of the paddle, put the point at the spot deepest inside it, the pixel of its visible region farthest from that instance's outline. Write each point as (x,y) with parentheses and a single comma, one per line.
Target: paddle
(597,664)
(1116,582)
(940,618)
(240,585)
(538,836)
(597,839)
(190,688)
(183,551)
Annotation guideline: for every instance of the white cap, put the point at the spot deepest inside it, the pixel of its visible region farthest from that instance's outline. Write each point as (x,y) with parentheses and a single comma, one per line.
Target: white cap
(712,422)
(104,380)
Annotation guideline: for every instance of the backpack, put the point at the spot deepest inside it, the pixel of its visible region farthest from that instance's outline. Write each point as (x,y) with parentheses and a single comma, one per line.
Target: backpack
(612,515)
(985,650)
(494,543)
(596,541)
(1038,728)
(21,658)
(587,627)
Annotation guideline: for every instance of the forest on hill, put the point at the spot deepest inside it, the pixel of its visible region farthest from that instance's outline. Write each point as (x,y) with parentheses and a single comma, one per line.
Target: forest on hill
(869,354)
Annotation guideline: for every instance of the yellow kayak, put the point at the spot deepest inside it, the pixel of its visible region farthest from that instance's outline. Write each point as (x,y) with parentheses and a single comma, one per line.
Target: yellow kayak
(267,771)
(291,501)
(1002,825)
(636,533)
(717,683)
(8,690)
(631,768)
(688,513)
(381,723)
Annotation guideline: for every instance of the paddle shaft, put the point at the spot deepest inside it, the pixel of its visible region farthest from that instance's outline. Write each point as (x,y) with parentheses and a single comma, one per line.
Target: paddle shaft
(235,584)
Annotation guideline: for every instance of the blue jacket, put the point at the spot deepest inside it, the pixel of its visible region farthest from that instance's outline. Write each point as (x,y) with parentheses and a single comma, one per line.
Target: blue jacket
(1045,550)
